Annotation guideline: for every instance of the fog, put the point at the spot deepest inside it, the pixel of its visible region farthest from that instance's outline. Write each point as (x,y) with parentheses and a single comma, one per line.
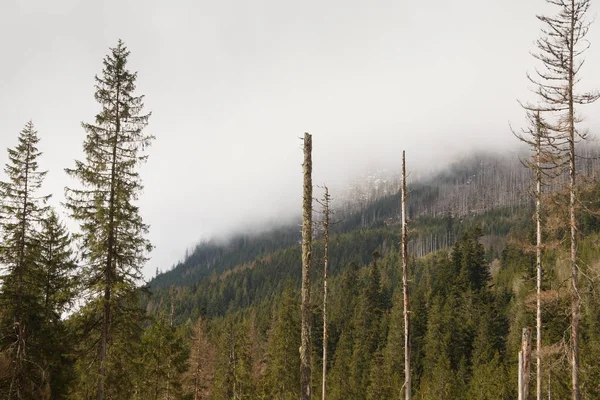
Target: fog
(233,85)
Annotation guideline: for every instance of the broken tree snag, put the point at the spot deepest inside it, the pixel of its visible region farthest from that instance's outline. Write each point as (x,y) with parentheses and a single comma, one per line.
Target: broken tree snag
(525,364)
(538,255)
(407,382)
(305,350)
(326,199)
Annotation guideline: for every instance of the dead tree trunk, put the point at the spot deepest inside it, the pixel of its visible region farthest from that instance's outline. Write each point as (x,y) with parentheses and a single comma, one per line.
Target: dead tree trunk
(538,258)
(407,382)
(560,49)
(326,199)
(305,347)
(525,364)
(575,299)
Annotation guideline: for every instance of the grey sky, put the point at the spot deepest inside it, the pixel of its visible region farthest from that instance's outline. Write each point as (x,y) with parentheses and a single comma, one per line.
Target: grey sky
(233,84)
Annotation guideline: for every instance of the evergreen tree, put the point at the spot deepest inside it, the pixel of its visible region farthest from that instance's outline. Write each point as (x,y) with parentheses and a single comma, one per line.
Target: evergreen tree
(282,376)
(58,267)
(468,258)
(164,361)
(440,379)
(22,209)
(380,384)
(233,370)
(112,230)
(199,377)
(489,377)
(338,378)
(58,281)
(366,324)
(393,366)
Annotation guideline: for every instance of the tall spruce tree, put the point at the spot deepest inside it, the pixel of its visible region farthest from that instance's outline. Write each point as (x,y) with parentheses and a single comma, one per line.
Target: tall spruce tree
(58,286)
(112,231)
(164,361)
(282,378)
(57,266)
(22,209)
(233,369)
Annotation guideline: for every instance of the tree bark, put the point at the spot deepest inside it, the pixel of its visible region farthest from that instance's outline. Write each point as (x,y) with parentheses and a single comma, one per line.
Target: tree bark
(305,347)
(325,265)
(407,381)
(525,364)
(538,250)
(575,300)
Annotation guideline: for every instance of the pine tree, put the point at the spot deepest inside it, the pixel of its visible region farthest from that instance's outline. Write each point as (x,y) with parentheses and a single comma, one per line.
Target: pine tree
(112,230)
(22,210)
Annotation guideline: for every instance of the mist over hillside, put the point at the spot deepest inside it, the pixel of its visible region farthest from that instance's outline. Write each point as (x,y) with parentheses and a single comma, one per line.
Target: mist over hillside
(472,185)
(480,182)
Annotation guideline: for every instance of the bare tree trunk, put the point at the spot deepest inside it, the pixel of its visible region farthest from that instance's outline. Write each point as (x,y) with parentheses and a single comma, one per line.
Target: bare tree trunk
(525,364)
(538,205)
(520,379)
(325,264)
(305,348)
(575,302)
(407,382)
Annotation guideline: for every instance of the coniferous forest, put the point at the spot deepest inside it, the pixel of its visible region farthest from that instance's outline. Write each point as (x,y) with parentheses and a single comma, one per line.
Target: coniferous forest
(477,282)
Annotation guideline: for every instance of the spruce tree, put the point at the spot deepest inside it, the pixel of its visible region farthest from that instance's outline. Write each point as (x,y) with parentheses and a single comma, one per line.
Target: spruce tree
(57,266)
(282,378)
(393,366)
(201,363)
(367,334)
(58,287)
(112,231)
(163,361)
(22,209)
(439,380)
(233,370)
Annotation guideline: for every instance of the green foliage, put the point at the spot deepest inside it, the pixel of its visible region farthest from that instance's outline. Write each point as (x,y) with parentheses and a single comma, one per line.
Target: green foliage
(125,350)
(282,380)
(164,356)
(112,230)
(59,284)
(233,369)
(22,317)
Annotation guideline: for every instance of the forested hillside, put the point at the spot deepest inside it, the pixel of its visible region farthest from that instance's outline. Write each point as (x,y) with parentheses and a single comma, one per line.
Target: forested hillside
(497,185)
(476,282)
(472,277)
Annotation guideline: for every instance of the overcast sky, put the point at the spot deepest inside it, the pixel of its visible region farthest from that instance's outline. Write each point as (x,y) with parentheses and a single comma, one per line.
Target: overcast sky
(232,85)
